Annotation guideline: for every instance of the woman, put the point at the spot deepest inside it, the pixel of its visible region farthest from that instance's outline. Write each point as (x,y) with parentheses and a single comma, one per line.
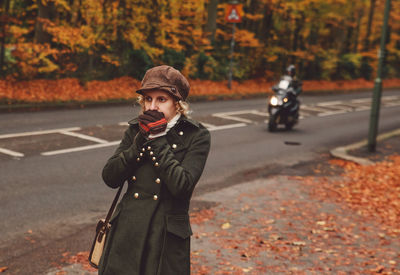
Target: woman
(161,156)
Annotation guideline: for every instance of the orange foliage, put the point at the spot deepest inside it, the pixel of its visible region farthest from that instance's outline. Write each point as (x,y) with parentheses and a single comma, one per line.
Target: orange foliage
(69,89)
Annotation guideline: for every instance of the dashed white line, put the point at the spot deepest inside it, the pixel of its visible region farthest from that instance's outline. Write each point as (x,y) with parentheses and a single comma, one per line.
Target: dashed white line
(255,112)
(391,97)
(361,100)
(223,116)
(81,148)
(333,113)
(322,108)
(391,104)
(328,103)
(82,136)
(11,153)
(44,132)
(312,108)
(224,127)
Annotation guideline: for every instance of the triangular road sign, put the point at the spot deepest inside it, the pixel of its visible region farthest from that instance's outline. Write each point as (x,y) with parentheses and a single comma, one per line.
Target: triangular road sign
(234,13)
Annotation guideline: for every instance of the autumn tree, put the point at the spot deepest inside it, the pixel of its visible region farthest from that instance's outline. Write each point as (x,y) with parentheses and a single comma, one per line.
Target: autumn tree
(102,39)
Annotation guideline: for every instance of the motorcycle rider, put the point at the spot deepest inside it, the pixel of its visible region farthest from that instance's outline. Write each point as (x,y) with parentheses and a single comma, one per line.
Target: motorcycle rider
(283,107)
(295,82)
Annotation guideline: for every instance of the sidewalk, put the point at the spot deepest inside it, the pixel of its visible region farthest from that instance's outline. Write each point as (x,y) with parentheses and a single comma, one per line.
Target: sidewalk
(287,225)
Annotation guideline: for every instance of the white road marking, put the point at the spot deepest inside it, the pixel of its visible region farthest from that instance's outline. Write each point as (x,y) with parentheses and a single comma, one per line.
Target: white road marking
(82,136)
(255,112)
(322,109)
(390,104)
(229,126)
(328,103)
(362,108)
(337,105)
(391,97)
(230,116)
(312,108)
(332,113)
(11,153)
(241,112)
(361,100)
(81,148)
(44,132)
(207,125)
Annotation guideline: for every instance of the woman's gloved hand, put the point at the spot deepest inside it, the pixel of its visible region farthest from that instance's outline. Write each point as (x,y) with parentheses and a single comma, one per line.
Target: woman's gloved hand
(152,122)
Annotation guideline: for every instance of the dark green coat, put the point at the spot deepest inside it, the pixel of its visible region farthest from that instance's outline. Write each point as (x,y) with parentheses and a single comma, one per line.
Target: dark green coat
(150,227)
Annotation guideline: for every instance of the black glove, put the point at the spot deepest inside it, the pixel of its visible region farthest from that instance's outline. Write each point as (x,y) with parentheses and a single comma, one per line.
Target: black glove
(152,122)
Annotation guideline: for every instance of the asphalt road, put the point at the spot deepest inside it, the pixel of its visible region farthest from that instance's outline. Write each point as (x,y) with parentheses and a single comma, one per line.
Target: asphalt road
(51,190)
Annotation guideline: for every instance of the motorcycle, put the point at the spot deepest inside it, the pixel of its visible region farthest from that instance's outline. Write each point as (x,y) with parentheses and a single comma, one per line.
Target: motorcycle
(283,106)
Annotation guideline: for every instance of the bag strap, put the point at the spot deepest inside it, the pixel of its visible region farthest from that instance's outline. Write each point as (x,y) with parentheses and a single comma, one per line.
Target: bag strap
(114,203)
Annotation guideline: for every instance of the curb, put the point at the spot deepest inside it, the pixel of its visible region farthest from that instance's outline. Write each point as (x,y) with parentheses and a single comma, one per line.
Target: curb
(72,104)
(342,152)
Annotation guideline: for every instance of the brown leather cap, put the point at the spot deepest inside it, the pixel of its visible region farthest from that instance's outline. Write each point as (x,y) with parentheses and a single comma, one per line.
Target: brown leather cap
(167,79)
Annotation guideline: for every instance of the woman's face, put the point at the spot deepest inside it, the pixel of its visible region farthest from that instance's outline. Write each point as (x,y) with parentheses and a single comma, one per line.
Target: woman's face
(161,101)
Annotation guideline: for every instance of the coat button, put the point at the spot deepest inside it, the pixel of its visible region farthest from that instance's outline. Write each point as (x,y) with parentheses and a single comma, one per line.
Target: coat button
(151,153)
(138,159)
(153,158)
(155,197)
(136,195)
(133,178)
(156,164)
(149,148)
(174,146)
(157,180)
(180,133)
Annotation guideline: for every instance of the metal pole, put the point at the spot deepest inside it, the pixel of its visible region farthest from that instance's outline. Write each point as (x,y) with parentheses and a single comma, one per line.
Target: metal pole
(376,100)
(231,62)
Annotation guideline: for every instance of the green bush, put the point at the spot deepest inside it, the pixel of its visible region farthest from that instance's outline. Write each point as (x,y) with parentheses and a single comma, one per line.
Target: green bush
(174,59)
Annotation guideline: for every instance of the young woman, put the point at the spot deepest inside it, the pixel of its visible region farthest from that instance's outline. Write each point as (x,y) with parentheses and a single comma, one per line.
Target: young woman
(161,156)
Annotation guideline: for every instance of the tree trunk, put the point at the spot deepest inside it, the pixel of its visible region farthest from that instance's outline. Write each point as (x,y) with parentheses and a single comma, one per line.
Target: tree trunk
(4,19)
(357,34)
(75,12)
(366,70)
(211,24)
(369,24)
(299,26)
(266,24)
(44,12)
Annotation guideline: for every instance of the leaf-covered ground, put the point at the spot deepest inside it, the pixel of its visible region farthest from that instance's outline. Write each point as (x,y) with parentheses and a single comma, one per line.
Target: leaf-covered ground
(70,89)
(346,224)
(330,223)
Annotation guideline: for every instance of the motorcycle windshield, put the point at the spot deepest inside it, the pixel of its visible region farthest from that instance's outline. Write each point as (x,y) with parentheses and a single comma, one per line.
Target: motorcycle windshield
(283,84)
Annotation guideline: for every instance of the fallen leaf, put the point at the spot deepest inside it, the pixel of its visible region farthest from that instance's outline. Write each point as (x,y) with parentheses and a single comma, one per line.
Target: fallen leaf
(226,225)
(299,243)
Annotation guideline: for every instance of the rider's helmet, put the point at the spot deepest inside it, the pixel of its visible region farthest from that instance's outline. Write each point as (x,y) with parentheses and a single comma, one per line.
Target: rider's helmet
(291,70)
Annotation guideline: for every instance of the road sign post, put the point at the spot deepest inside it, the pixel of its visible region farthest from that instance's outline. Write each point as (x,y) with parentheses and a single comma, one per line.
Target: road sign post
(376,99)
(233,14)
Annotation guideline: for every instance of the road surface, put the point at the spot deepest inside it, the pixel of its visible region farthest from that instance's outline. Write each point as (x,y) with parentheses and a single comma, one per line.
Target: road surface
(50,162)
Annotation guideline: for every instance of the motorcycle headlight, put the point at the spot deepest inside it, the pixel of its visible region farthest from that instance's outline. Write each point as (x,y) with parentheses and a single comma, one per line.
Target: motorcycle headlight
(273,101)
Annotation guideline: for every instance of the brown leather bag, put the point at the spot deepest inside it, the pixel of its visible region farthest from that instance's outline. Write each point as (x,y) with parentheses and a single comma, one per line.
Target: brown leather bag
(102,229)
